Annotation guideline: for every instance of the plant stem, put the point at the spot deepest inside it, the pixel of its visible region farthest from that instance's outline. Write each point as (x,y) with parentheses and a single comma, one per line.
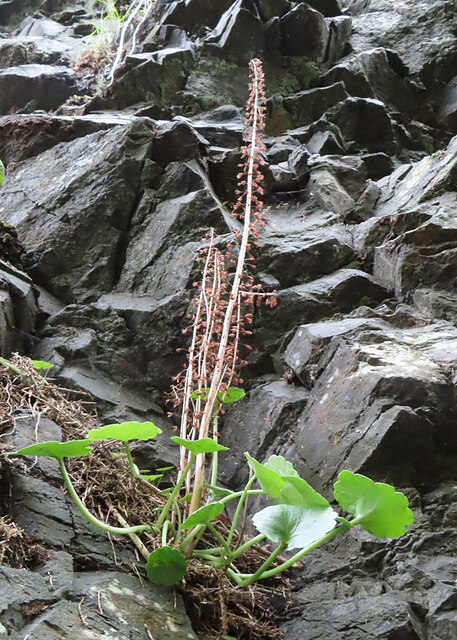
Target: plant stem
(245,579)
(238,508)
(199,528)
(92,518)
(303,552)
(213,480)
(174,493)
(246,546)
(132,465)
(221,539)
(237,494)
(221,355)
(10,365)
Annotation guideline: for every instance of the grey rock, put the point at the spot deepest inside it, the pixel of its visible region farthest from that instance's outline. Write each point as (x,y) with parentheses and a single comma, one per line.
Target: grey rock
(447,115)
(261,423)
(342,291)
(299,258)
(376,134)
(307,106)
(25,136)
(388,80)
(305,349)
(350,72)
(35,86)
(92,198)
(302,19)
(389,370)
(152,78)
(339,31)
(238,36)
(192,14)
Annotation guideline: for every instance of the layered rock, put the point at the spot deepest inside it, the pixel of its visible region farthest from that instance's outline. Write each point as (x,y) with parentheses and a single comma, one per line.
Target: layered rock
(354,368)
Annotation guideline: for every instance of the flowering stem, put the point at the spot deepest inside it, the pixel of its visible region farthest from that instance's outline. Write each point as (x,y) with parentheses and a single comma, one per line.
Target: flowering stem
(233,300)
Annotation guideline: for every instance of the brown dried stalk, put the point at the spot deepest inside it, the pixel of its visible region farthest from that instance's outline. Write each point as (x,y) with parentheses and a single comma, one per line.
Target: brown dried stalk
(251,205)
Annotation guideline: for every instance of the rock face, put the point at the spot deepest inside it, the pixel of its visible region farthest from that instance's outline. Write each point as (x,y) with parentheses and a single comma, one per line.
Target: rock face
(355,366)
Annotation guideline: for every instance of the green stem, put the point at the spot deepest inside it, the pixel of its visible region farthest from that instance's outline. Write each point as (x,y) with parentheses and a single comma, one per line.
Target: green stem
(132,465)
(246,546)
(92,518)
(164,533)
(215,459)
(237,494)
(174,493)
(207,552)
(238,509)
(199,528)
(221,539)
(303,552)
(243,580)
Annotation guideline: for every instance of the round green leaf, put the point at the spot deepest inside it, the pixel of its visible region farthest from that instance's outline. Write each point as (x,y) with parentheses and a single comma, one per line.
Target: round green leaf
(281,466)
(166,566)
(204,445)
(203,515)
(298,527)
(58,450)
(379,509)
(232,394)
(126,431)
(41,364)
(297,491)
(270,481)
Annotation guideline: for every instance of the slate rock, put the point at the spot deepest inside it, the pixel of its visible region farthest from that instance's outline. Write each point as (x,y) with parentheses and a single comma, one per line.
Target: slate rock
(339,31)
(238,36)
(304,33)
(447,115)
(91,195)
(307,106)
(192,14)
(350,72)
(152,78)
(299,258)
(365,123)
(388,79)
(35,86)
(306,347)
(25,136)
(177,141)
(260,423)
(343,291)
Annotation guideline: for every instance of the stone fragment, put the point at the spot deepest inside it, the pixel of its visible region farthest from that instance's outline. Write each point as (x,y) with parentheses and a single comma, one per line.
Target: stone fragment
(304,33)
(343,291)
(370,395)
(307,106)
(25,136)
(447,115)
(388,79)
(238,36)
(339,31)
(91,196)
(364,124)
(310,340)
(35,86)
(299,258)
(260,424)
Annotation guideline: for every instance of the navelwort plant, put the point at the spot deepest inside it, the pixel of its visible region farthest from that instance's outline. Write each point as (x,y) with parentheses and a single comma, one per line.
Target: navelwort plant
(188,522)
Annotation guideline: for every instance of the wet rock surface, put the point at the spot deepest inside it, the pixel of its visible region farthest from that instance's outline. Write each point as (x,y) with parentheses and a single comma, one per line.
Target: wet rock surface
(355,366)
